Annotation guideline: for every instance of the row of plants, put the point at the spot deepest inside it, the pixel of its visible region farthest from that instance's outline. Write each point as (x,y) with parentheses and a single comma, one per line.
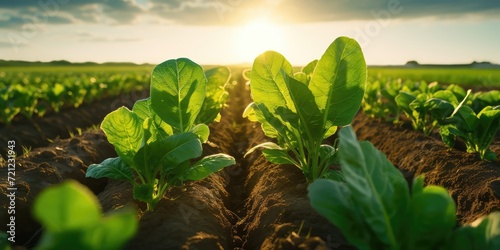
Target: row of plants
(457,113)
(368,198)
(158,142)
(159,145)
(35,93)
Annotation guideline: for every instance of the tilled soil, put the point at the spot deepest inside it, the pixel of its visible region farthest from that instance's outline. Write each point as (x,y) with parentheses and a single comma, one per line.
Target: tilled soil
(254,204)
(474,184)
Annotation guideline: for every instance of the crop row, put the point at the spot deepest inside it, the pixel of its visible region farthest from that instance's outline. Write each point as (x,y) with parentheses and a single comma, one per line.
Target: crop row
(159,143)
(457,113)
(36,93)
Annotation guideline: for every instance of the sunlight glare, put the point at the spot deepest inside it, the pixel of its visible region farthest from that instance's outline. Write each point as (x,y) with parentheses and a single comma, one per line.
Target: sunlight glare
(257,37)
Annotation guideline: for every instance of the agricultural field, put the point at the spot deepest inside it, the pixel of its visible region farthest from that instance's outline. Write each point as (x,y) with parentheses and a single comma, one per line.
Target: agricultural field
(214,157)
(248,125)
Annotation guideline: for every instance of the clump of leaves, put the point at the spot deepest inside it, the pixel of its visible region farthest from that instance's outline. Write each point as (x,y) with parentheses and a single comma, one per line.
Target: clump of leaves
(159,140)
(302,109)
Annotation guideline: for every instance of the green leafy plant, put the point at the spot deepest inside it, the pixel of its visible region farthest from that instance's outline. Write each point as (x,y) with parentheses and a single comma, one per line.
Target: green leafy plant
(427,110)
(476,130)
(72,219)
(159,138)
(302,109)
(375,209)
(380,100)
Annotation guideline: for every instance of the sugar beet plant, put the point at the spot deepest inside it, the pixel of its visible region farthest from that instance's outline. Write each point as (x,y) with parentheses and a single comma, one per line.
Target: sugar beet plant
(302,109)
(375,209)
(159,138)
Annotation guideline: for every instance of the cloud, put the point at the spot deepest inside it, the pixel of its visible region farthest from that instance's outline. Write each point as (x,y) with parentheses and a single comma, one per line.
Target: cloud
(94,37)
(230,12)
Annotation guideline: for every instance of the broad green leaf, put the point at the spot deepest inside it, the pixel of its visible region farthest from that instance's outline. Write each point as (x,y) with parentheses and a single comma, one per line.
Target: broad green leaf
(142,109)
(253,113)
(310,125)
(335,201)
(217,79)
(308,70)
(482,234)
(301,77)
(331,131)
(167,154)
(267,83)
(178,92)
(446,95)
(403,100)
(123,129)
(208,165)
(66,206)
(113,168)
(378,188)
(465,119)
(338,82)
(488,126)
(278,156)
(433,217)
(202,131)
(144,192)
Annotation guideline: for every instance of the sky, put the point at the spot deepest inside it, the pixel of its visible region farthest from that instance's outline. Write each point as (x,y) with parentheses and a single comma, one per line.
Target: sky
(236,31)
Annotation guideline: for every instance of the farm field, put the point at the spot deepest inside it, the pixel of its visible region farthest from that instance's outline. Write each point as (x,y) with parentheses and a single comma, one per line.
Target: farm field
(254,204)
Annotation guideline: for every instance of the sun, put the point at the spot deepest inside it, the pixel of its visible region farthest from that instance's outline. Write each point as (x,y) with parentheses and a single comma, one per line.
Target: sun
(256,37)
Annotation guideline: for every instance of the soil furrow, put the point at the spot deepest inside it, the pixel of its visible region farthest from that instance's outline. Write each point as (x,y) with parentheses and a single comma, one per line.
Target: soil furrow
(473,183)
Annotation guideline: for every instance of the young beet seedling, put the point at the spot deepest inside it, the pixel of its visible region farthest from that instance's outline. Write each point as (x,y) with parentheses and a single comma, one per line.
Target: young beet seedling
(159,138)
(302,109)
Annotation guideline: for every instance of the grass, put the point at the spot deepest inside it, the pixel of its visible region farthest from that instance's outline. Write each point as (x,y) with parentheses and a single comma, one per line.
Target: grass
(447,75)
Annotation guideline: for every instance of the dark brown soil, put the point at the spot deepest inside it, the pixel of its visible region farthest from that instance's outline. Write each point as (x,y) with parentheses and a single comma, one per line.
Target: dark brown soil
(38,131)
(45,166)
(473,183)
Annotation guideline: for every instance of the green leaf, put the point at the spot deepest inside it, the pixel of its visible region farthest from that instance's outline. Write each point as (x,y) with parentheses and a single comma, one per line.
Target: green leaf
(335,201)
(123,129)
(338,82)
(67,206)
(217,79)
(178,92)
(208,165)
(310,125)
(403,100)
(167,154)
(482,234)
(278,156)
(113,168)
(301,77)
(202,131)
(144,192)
(432,217)
(378,188)
(267,82)
(254,114)
(308,70)
(143,110)
(465,119)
